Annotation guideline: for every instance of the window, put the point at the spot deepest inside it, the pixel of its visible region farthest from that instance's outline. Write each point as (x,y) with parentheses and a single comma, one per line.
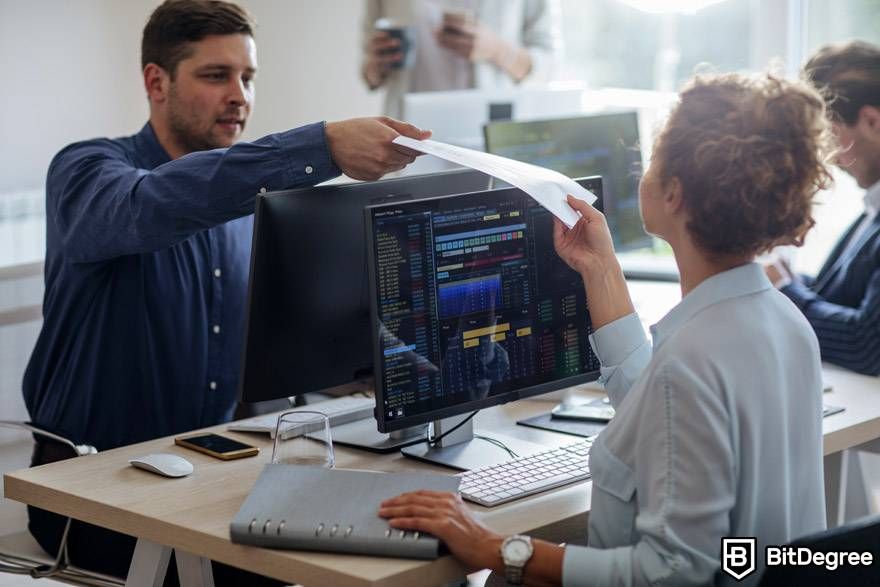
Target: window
(615,43)
(657,44)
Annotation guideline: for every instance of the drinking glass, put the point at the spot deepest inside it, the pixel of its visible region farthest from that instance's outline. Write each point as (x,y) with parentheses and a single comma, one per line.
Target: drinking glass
(303,438)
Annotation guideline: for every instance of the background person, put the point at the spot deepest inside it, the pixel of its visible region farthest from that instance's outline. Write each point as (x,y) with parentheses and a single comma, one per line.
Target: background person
(460,45)
(842,302)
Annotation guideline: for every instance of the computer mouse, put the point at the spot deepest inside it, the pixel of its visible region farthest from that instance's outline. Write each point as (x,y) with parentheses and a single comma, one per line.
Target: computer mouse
(163,464)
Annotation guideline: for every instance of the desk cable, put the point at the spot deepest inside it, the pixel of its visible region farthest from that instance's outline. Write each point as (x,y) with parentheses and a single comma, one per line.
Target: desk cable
(498,443)
(436,439)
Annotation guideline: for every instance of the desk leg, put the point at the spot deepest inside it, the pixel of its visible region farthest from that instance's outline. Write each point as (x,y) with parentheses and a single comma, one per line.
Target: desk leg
(148,565)
(194,570)
(836,473)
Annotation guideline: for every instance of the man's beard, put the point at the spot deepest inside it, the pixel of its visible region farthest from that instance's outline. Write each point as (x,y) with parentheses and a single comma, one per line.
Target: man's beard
(184,129)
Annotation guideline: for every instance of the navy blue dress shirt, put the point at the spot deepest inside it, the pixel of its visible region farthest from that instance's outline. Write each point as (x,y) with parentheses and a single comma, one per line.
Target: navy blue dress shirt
(147,262)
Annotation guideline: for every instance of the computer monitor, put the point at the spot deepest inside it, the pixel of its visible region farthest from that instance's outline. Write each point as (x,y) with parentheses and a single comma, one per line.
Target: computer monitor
(471,307)
(458,116)
(602,144)
(308,312)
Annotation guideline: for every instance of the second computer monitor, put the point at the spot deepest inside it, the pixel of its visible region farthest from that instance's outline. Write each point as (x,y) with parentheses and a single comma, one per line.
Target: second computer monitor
(601,144)
(471,306)
(308,313)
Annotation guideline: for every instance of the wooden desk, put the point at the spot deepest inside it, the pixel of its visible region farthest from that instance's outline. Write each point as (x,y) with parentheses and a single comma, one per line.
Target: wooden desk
(846,493)
(192,514)
(860,421)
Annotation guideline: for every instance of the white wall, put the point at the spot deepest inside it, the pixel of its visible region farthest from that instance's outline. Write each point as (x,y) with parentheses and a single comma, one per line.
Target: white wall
(71,70)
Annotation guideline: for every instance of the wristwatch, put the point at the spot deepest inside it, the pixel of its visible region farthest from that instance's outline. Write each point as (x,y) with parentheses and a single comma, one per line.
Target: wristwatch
(516,551)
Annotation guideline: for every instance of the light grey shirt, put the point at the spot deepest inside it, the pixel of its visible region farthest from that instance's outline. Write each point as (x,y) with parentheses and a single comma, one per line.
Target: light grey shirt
(718,432)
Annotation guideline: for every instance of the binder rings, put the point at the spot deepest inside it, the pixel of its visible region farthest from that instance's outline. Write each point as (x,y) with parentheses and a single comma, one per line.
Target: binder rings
(313,508)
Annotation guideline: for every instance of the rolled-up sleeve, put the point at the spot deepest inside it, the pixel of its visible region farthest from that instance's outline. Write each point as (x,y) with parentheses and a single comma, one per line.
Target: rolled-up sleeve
(623,351)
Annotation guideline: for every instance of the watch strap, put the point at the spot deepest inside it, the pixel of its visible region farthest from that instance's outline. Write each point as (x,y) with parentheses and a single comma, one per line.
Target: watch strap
(513,574)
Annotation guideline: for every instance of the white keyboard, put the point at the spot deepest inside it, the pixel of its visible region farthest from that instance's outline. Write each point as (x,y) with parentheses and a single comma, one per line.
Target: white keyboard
(528,475)
(340,410)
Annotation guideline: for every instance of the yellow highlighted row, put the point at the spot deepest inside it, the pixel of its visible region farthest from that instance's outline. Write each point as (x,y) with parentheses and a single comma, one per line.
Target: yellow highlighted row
(496,333)
(484,331)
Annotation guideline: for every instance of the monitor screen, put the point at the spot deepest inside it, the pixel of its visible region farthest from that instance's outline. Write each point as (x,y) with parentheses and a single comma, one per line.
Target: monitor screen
(471,306)
(458,116)
(602,144)
(308,310)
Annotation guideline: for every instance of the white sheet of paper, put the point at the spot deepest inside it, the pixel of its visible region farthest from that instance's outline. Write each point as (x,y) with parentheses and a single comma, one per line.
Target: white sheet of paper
(547,187)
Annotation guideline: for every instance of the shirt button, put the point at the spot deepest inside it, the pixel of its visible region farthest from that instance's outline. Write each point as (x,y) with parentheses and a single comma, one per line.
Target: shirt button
(217,273)
(213,385)
(216,329)
(262,190)
(309,169)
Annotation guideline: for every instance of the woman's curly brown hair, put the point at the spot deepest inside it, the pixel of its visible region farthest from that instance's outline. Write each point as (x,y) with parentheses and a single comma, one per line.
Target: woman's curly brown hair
(749,152)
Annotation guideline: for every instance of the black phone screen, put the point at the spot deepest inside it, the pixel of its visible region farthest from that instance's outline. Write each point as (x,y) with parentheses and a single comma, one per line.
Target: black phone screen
(216,443)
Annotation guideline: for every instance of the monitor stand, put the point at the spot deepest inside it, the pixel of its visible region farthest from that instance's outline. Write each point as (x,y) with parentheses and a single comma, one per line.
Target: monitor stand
(465,451)
(363,434)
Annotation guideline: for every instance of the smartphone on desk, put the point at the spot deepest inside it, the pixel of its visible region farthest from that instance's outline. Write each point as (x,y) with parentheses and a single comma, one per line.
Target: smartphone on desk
(594,411)
(217,446)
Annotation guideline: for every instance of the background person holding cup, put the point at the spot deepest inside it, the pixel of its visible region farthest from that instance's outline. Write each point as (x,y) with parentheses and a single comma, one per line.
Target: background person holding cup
(438,45)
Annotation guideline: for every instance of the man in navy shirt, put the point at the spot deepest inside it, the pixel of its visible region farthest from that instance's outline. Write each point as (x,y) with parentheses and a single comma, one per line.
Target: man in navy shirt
(148,246)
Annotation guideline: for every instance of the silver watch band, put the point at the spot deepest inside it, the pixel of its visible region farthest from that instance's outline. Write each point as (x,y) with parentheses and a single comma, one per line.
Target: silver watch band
(513,575)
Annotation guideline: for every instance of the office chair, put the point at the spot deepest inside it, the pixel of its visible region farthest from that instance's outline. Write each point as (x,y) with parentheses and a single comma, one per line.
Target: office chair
(857,536)
(19,552)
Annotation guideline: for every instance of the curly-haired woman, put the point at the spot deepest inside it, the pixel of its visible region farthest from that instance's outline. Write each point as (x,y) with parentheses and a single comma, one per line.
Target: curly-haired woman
(718,427)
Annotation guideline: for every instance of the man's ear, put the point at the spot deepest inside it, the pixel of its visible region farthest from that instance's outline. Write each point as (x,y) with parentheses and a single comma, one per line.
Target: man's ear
(157,83)
(869,122)
(673,200)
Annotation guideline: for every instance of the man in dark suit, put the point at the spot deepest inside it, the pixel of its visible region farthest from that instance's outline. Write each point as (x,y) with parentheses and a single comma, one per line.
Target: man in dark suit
(843,301)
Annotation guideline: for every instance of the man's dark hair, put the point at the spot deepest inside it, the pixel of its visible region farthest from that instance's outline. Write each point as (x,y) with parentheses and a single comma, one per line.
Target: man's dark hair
(175,24)
(848,76)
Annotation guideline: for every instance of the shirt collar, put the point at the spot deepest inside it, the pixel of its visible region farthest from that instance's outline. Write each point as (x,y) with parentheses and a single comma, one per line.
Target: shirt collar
(148,147)
(872,199)
(733,283)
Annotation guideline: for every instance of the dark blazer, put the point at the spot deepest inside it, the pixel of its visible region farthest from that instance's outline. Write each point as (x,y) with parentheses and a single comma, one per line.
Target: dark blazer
(843,302)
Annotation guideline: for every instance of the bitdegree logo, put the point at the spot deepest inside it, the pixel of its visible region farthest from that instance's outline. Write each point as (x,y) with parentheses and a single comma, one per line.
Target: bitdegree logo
(801,556)
(738,557)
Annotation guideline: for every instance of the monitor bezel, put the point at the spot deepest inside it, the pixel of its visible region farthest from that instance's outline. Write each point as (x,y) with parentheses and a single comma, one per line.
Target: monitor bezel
(247,391)
(489,401)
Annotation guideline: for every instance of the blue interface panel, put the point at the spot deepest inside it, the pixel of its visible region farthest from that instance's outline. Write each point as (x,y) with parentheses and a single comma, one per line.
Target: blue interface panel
(471,304)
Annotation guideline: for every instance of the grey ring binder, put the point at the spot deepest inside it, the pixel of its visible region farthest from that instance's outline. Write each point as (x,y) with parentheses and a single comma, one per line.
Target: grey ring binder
(305,501)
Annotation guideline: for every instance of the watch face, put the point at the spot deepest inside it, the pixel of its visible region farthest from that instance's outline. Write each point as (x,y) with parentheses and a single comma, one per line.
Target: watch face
(517,551)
